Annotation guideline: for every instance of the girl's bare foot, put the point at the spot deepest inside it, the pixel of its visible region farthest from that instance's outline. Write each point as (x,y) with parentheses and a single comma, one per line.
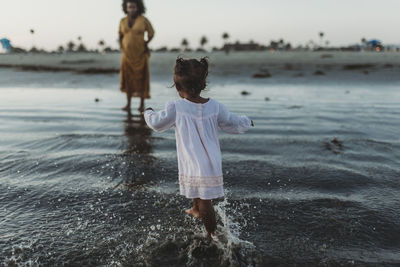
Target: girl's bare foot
(141,109)
(213,237)
(193,212)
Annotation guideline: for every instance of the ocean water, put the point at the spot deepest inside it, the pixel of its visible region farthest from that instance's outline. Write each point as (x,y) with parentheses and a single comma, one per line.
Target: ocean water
(314,183)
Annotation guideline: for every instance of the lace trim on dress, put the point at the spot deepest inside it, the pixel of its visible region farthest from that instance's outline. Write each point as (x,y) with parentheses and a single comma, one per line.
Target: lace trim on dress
(200,181)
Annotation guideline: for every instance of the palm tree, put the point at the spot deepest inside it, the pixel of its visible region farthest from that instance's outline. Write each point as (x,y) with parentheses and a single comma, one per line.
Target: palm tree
(101,43)
(70,46)
(364,43)
(363,40)
(226,37)
(81,47)
(185,44)
(32,31)
(60,49)
(203,41)
(321,36)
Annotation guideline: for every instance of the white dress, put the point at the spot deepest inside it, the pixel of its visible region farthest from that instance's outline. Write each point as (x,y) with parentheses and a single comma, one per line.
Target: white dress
(197,144)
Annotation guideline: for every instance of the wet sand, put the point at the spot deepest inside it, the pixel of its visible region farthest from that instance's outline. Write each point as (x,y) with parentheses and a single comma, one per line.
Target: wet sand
(315,183)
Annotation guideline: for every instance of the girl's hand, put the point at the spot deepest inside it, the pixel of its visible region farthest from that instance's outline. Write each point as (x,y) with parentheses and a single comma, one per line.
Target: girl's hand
(146,110)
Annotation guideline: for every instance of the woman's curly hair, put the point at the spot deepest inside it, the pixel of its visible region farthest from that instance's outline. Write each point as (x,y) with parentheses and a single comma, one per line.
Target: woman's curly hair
(191,75)
(139,3)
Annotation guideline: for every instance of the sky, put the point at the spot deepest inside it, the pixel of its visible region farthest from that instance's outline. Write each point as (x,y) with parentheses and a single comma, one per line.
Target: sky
(297,21)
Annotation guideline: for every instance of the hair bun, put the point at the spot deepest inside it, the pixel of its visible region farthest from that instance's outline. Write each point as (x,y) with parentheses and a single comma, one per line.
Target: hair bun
(191,75)
(181,66)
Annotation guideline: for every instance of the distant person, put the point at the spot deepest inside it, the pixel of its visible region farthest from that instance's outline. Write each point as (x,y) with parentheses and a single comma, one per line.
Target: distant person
(134,74)
(196,121)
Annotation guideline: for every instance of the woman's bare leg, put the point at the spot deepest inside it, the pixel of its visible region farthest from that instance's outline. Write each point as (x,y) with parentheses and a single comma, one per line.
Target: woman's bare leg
(194,211)
(128,104)
(141,107)
(207,214)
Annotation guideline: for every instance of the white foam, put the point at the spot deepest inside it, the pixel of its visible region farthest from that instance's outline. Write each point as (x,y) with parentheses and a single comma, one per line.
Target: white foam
(227,238)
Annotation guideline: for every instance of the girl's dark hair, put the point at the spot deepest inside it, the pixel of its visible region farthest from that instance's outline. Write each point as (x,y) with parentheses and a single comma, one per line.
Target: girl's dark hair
(139,3)
(191,75)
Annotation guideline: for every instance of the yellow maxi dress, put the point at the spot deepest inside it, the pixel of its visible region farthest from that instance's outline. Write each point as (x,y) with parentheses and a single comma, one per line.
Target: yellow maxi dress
(134,73)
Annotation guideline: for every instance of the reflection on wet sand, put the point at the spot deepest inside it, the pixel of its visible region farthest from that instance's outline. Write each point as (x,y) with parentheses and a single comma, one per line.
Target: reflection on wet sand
(138,161)
(138,135)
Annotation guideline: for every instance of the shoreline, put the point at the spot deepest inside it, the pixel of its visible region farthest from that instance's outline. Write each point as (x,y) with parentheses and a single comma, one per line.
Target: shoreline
(242,67)
(44,68)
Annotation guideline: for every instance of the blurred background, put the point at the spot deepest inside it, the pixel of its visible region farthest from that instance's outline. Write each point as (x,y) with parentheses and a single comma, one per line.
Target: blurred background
(93,25)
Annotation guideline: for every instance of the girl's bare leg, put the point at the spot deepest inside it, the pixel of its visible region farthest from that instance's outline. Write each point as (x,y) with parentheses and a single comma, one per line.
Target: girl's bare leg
(194,211)
(207,214)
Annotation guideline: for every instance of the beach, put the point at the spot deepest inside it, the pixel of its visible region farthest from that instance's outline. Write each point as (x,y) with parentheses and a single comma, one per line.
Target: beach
(284,67)
(314,183)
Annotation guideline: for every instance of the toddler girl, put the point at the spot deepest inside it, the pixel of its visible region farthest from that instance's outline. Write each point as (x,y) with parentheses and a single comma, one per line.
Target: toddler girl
(196,121)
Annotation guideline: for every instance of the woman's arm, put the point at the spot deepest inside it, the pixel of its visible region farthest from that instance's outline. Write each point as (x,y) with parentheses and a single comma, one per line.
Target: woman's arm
(150,31)
(121,36)
(149,40)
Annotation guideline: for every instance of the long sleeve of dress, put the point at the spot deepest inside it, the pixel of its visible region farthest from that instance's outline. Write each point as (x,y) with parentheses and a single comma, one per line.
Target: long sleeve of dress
(162,120)
(232,123)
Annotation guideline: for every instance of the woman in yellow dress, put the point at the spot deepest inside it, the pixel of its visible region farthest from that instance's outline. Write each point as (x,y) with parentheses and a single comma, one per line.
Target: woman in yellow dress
(134,73)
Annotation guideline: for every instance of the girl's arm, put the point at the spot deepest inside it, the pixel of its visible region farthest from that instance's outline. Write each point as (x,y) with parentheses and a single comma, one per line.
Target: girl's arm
(162,120)
(232,123)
